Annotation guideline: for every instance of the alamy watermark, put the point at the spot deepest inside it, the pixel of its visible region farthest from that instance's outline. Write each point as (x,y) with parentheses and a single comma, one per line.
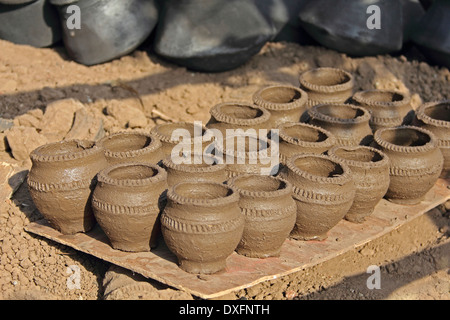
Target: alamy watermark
(374,281)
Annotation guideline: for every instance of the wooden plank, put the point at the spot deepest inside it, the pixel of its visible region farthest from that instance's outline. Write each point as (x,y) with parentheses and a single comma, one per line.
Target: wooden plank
(242,272)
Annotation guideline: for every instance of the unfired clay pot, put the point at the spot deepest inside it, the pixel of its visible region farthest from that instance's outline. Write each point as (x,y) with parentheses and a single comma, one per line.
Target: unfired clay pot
(61,181)
(285,103)
(303,138)
(370,171)
(248,155)
(191,137)
(415,162)
(387,108)
(197,167)
(132,147)
(435,117)
(270,211)
(327,85)
(202,225)
(323,190)
(236,115)
(127,202)
(348,123)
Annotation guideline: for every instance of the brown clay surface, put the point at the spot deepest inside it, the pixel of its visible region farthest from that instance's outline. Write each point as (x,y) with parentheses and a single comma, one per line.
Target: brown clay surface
(138,91)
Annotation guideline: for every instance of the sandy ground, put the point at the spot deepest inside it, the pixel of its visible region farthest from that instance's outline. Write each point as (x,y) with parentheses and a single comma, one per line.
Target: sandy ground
(138,91)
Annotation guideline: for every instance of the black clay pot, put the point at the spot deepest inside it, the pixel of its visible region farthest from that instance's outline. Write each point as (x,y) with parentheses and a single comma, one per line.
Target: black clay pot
(342,25)
(34,23)
(109,28)
(432,33)
(212,35)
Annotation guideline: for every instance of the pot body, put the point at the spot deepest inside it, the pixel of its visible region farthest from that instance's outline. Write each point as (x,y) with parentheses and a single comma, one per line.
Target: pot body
(322,201)
(285,103)
(124,147)
(435,117)
(348,123)
(202,225)
(415,162)
(127,202)
(109,29)
(387,108)
(61,181)
(370,171)
(270,213)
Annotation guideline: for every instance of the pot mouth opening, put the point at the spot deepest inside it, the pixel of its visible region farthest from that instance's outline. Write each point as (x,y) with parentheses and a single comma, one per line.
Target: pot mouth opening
(202,193)
(165,131)
(298,132)
(438,111)
(359,155)
(318,166)
(326,78)
(197,162)
(133,172)
(280,94)
(405,137)
(65,150)
(241,112)
(125,142)
(262,185)
(341,112)
(244,146)
(381,97)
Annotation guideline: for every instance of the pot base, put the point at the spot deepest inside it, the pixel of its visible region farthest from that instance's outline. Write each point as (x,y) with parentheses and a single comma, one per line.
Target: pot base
(358,217)
(260,255)
(298,235)
(409,202)
(203,267)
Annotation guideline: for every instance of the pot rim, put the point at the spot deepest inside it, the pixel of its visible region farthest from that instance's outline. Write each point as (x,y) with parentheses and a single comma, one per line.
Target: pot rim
(193,168)
(430,145)
(324,88)
(315,114)
(165,138)
(217,114)
(181,199)
(246,154)
(276,106)
(103,175)
(154,144)
(330,138)
(421,115)
(361,164)
(362,99)
(341,179)
(39,155)
(286,190)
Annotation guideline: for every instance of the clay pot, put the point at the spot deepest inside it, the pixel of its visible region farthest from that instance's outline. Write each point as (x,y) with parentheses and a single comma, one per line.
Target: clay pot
(182,137)
(415,162)
(303,138)
(34,23)
(285,103)
(346,25)
(387,108)
(202,225)
(61,181)
(270,211)
(431,33)
(127,202)
(132,147)
(230,115)
(435,117)
(108,29)
(323,189)
(348,123)
(327,85)
(212,35)
(197,167)
(248,155)
(370,171)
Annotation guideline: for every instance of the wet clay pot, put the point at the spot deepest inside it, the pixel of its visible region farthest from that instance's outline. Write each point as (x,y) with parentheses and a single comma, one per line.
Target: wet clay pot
(348,123)
(415,162)
(303,138)
(132,147)
(323,190)
(236,115)
(202,225)
(248,155)
(196,167)
(327,85)
(370,171)
(270,212)
(182,137)
(285,103)
(435,117)
(127,202)
(61,181)
(387,108)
